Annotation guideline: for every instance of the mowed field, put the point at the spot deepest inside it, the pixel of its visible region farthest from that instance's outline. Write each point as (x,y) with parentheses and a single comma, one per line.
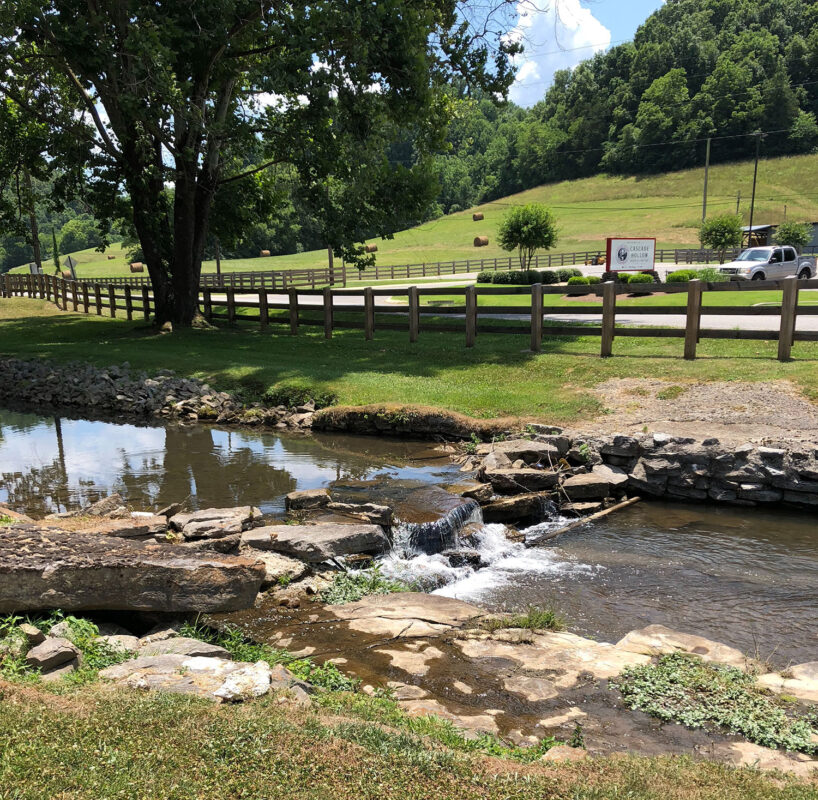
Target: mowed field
(666,206)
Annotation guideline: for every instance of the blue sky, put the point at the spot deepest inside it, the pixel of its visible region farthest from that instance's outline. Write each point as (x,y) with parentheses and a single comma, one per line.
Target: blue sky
(562,33)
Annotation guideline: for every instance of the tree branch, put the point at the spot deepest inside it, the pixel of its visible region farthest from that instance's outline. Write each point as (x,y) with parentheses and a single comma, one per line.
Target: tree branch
(253,171)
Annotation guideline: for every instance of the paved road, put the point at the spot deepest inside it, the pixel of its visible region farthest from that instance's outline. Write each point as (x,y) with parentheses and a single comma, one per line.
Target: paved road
(712,321)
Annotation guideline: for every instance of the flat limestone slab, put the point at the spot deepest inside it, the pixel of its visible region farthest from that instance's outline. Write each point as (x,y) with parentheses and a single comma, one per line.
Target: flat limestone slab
(317,543)
(406,614)
(45,568)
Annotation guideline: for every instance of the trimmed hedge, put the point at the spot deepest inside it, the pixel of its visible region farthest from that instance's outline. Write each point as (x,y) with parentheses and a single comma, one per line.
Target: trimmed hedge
(640,277)
(594,280)
(518,277)
(682,276)
(578,280)
(566,273)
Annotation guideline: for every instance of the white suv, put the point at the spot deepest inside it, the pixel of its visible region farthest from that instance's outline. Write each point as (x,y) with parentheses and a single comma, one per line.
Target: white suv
(769,263)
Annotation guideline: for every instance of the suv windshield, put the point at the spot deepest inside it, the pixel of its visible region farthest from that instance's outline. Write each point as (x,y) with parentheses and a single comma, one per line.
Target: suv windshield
(754,255)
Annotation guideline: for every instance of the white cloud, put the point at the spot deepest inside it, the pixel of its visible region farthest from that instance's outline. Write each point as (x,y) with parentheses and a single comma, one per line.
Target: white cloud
(557,37)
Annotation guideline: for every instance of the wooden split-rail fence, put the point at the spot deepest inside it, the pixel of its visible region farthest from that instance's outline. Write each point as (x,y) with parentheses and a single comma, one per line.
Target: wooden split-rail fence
(234,307)
(285,279)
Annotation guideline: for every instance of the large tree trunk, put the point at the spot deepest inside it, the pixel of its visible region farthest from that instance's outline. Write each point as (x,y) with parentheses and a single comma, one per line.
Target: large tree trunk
(32,221)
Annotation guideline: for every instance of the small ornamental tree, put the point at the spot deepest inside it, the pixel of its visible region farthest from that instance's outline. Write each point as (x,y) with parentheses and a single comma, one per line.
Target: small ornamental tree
(527,229)
(721,233)
(794,234)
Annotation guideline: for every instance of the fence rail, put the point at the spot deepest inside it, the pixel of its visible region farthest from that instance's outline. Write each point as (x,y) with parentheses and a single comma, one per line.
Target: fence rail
(313,278)
(223,303)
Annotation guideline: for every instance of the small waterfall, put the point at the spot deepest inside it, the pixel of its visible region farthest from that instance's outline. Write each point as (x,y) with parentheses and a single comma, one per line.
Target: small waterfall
(442,534)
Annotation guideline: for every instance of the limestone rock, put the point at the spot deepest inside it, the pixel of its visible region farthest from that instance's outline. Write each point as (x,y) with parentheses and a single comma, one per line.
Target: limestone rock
(131,527)
(589,486)
(406,614)
(123,643)
(482,493)
(317,543)
(308,498)
(655,640)
(520,507)
(280,568)
(33,634)
(515,481)
(45,568)
(369,512)
(213,523)
(252,680)
(182,646)
(260,538)
(801,681)
(61,671)
(528,450)
(51,653)
(617,478)
(495,460)
(105,507)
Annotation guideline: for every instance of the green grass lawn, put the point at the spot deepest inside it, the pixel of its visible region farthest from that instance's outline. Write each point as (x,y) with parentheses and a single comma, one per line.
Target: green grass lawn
(498,377)
(665,206)
(95,743)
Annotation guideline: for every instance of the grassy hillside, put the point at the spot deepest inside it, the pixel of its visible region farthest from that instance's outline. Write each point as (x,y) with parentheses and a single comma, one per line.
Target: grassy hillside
(667,206)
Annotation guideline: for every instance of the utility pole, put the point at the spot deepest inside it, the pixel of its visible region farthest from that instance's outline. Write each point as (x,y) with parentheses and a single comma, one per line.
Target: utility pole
(753,200)
(785,212)
(706,170)
(738,201)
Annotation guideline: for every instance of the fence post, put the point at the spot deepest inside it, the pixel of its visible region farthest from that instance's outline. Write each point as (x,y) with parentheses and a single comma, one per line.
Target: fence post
(231,304)
(112,300)
(98,298)
(369,313)
(789,305)
(146,303)
(694,307)
(608,318)
(536,317)
(207,303)
(471,315)
(294,312)
(128,302)
(328,313)
(263,311)
(414,314)
(86,302)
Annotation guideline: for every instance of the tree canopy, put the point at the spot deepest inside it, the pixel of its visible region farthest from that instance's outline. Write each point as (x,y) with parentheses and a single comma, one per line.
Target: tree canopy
(795,234)
(527,229)
(721,233)
(171,115)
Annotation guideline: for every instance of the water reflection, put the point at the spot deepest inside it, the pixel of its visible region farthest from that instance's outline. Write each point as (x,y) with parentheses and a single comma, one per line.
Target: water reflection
(50,464)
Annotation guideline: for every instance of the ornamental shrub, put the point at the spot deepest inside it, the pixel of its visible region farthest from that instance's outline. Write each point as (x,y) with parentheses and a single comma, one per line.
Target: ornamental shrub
(640,277)
(578,280)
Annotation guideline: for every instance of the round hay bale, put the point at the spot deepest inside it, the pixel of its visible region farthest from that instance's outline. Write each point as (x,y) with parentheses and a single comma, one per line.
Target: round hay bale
(111,258)
(478,216)
(371,248)
(137,266)
(264,253)
(66,273)
(481,241)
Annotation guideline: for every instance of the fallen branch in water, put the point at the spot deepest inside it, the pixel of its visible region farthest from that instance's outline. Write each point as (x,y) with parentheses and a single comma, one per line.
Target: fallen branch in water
(598,515)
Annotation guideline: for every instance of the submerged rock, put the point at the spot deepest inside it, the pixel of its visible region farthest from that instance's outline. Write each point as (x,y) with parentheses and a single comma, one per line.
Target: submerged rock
(46,568)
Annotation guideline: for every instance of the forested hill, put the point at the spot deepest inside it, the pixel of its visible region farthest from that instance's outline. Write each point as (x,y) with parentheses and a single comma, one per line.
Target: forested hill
(696,69)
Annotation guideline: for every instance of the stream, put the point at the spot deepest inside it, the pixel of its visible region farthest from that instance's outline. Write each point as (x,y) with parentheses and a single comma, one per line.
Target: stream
(745,577)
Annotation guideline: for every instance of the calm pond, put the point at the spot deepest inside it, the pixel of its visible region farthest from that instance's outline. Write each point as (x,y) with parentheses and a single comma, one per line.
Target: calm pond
(748,578)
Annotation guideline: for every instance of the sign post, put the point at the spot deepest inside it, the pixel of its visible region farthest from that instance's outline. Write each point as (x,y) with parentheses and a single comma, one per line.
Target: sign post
(631,255)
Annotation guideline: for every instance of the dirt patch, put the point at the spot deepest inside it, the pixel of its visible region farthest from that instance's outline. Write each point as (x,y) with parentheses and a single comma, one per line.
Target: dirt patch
(738,412)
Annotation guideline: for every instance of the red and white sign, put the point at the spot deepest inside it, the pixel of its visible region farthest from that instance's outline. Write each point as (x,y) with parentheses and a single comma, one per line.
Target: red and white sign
(631,255)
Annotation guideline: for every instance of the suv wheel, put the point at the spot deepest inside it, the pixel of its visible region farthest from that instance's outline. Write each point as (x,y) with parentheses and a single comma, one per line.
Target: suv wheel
(805,274)
(759,276)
